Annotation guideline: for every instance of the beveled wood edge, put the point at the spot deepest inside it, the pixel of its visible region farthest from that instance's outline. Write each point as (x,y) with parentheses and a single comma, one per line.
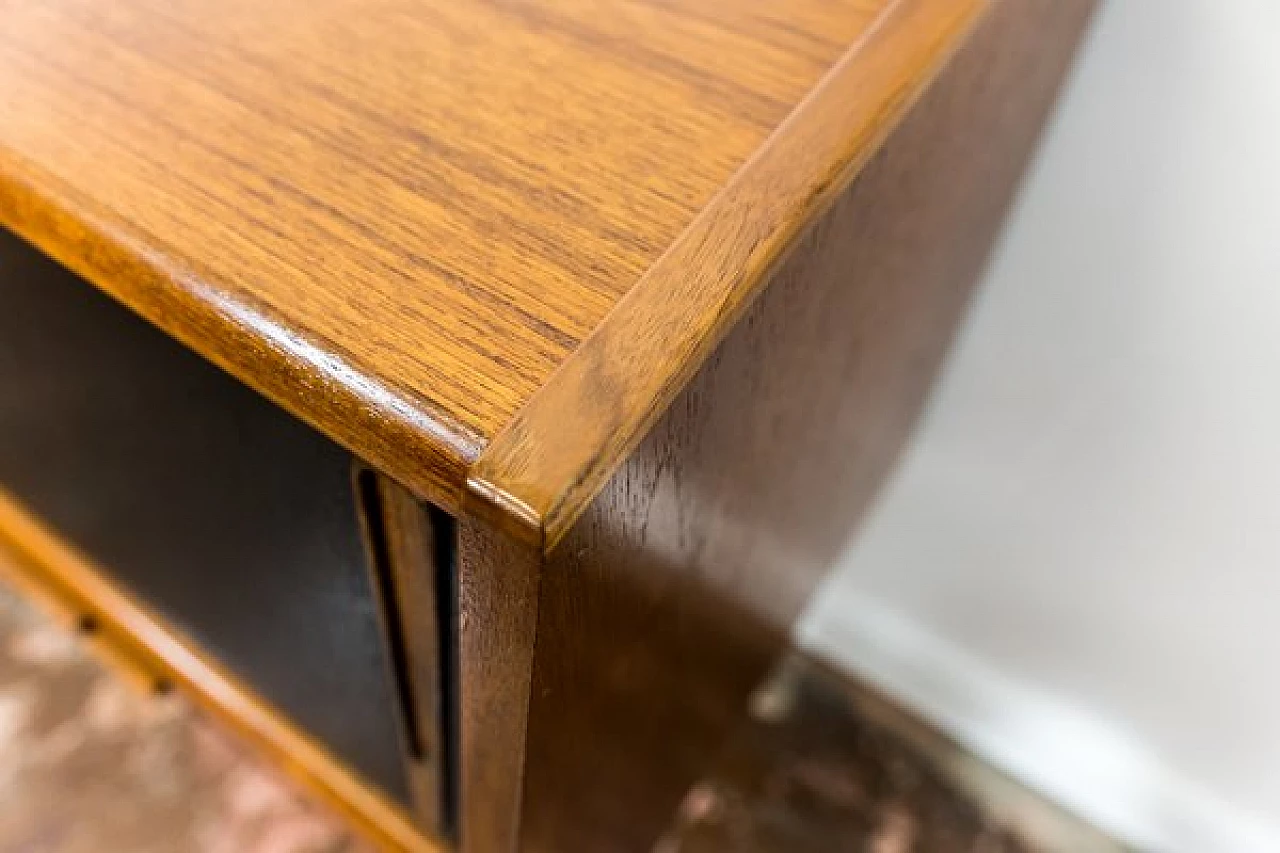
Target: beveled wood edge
(60,575)
(394,429)
(541,471)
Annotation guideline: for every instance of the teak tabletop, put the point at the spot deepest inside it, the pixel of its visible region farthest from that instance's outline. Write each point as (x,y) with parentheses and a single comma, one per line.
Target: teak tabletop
(480,243)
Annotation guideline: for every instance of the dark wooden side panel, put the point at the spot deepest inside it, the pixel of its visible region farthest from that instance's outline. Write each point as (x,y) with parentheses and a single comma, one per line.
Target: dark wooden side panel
(231,519)
(668,600)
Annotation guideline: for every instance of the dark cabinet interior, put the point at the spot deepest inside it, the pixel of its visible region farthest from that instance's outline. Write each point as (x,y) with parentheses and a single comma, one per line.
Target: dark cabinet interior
(233,520)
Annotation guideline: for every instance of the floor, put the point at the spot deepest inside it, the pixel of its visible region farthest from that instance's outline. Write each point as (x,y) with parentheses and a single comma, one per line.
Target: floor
(825,764)
(90,761)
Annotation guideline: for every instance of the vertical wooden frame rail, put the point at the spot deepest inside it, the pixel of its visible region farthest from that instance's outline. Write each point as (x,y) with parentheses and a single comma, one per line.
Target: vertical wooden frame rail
(412,568)
(460,602)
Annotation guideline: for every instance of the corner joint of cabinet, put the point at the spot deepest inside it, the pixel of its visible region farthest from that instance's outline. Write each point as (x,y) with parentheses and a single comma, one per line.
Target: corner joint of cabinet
(505,511)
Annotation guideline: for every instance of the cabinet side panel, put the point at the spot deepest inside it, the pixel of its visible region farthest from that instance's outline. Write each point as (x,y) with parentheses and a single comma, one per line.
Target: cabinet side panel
(667,601)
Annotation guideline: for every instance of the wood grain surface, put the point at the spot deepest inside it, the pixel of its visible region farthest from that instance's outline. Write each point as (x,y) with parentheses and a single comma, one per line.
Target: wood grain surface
(543,470)
(396,218)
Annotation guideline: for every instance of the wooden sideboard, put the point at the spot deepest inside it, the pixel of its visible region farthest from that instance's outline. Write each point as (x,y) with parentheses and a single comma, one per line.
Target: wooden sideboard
(461,397)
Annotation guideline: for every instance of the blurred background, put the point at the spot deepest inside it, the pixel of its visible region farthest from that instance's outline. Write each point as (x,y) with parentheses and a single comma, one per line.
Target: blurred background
(1076,570)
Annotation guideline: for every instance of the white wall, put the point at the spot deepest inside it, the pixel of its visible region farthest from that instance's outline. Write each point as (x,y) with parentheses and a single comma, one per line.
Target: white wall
(1077,567)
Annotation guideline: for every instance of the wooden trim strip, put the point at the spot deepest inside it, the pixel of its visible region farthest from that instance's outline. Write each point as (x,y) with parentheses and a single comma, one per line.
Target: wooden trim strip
(544,468)
(411,569)
(498,595)
(71,580)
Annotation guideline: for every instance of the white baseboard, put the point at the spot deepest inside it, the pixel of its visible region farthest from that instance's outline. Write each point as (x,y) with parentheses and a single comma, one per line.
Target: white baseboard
(1086,764)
